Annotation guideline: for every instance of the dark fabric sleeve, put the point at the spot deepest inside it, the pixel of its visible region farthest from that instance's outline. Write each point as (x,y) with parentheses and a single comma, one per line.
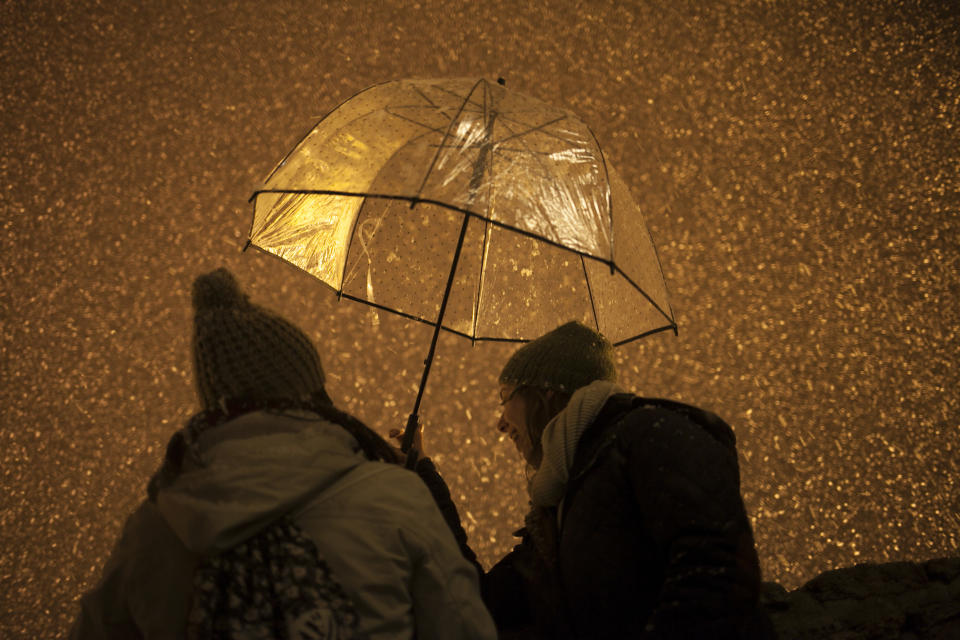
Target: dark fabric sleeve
(508,587)
(441,495)
(504,591)
(687,487)
(522,595)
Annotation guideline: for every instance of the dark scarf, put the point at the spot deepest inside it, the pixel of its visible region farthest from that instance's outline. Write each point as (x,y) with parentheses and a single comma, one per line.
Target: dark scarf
(183,444)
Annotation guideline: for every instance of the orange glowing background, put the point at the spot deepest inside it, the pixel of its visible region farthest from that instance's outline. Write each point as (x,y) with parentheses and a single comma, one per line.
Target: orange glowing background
(797,163)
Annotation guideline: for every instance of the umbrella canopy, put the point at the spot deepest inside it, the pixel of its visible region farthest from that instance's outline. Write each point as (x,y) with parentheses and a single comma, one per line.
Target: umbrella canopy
(555,233)
(467,206)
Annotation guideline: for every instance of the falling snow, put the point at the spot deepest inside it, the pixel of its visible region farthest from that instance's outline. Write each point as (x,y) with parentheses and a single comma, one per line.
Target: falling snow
(797,163)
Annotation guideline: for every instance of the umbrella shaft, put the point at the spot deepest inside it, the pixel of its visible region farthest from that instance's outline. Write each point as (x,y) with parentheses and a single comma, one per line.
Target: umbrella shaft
(480,166)
(410,431)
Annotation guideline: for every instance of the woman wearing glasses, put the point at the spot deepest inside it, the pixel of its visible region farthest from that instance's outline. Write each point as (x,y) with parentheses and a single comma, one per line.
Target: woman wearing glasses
(637,527)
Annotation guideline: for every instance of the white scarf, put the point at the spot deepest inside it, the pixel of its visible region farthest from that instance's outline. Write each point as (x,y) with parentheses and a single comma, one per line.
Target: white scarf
(560,438)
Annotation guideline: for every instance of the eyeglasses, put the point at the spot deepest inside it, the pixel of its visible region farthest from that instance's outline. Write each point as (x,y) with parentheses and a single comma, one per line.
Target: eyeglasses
(505,400)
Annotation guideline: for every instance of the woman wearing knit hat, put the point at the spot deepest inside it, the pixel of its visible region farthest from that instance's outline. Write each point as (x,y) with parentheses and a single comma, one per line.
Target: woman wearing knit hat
(637,527)
(275,515)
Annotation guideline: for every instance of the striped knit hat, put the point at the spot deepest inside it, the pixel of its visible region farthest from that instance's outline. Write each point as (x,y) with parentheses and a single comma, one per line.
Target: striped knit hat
(243,352)
(569,357)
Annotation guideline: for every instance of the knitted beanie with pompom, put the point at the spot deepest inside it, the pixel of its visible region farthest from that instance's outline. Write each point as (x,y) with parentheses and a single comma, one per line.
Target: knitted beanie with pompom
(242,352)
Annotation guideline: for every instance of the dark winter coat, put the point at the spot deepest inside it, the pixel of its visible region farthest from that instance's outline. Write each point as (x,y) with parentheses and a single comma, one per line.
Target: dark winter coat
(654,540)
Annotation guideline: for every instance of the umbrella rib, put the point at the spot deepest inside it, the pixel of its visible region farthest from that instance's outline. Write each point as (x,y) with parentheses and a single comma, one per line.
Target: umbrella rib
(446,135)
(593,306)
(486,225)
(526,147)
(483,262)
(409,316)
(613,266)
(504,150)
(337,108)
(656,254)
(430,104)
(404,314)
(648,333)
(532,129)
(379,306)
(606,174)
(439,203)
(480,165)
(423,95)
(346,254)
(466,336)
(468,99)
(416,122)
(343,275)
(476,145)
(543,169)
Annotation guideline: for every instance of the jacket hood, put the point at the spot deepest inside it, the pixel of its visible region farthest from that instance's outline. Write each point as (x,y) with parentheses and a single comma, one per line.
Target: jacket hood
(251,471)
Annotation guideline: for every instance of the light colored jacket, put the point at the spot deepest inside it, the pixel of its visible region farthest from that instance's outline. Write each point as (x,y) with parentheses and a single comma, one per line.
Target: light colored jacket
(375,524)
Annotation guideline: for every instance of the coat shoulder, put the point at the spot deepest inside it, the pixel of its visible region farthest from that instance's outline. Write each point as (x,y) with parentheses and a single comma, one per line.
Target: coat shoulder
(635,425)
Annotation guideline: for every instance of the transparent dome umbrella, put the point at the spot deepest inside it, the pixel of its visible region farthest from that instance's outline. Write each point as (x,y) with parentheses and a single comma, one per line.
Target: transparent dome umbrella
(469,207)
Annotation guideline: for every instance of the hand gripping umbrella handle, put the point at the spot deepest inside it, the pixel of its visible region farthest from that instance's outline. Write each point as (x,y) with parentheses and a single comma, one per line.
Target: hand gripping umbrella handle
(409,435)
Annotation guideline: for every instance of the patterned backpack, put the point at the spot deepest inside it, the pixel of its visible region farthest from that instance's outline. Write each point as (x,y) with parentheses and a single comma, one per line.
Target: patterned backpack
(272,586)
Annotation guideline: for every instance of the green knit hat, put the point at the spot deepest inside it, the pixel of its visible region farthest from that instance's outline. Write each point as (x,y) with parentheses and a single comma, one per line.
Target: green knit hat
(569,357)
(243,352)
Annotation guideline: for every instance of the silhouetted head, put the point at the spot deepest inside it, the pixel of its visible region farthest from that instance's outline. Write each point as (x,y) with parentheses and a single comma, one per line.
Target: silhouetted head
(539,378)
(244,353)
